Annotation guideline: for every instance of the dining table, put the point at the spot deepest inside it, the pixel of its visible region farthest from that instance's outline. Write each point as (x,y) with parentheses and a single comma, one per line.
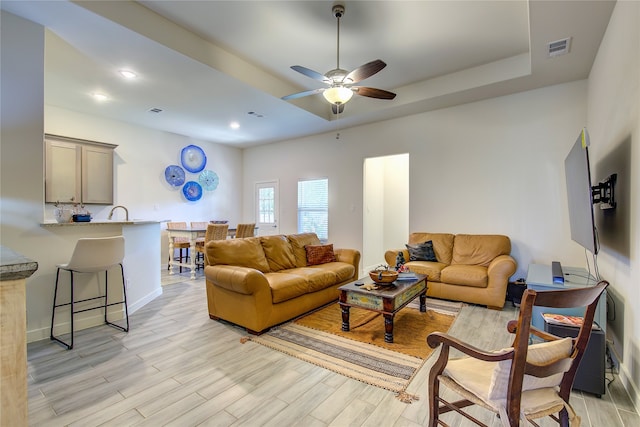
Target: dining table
(192,234)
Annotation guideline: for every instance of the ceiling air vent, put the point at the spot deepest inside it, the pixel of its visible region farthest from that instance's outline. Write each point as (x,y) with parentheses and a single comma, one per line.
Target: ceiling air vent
(155,110)
(559,47)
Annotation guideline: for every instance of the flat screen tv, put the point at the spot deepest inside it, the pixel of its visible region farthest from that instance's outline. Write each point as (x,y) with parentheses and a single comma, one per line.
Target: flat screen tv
(579,194)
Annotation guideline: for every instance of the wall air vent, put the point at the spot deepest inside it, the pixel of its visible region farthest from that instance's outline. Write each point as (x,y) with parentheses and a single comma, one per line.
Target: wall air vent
(155,110)
(559,47)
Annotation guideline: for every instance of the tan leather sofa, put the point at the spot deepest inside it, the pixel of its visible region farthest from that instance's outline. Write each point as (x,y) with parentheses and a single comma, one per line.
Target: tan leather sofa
(470,267)
(259,282)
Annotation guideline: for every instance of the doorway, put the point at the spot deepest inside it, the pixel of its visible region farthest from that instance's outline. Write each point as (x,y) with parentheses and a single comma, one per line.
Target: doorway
(266,202)
(385,207)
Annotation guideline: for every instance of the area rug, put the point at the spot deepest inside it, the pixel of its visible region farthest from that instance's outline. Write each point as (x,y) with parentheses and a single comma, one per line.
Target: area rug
(361,353)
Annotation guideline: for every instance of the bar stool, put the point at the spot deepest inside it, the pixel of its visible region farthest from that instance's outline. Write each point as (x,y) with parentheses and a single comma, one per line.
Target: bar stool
(92,255)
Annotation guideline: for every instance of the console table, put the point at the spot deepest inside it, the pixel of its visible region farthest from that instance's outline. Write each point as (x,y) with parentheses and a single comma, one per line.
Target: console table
(590,375)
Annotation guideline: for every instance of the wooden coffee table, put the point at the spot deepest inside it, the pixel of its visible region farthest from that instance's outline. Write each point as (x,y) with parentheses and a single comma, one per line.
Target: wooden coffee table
(387,300)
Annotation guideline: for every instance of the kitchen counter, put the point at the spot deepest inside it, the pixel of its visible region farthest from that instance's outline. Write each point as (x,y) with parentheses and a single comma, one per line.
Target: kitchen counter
(101,222)
(14,266)
(14,270)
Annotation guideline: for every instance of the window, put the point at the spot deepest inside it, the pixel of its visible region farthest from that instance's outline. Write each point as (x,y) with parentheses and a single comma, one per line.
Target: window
(313,207)
(266,205)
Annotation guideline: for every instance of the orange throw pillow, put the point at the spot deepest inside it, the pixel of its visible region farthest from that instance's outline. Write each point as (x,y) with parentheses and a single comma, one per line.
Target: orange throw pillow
(320,254)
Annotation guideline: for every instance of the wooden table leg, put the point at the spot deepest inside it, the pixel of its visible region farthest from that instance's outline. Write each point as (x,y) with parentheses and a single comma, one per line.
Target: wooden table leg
(192,256)
(345,317)
(423,301)
(388,328)
(171,249)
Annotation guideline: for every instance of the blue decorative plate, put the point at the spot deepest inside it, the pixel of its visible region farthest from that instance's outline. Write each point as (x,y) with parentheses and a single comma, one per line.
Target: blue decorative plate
(174,175)
(209,180)
(192,191)
(193,158)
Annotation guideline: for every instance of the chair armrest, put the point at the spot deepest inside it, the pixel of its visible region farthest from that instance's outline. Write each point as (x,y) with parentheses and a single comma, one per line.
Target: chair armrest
(242,280)
(501,268)
(390,256)
(436,338)
(350,256)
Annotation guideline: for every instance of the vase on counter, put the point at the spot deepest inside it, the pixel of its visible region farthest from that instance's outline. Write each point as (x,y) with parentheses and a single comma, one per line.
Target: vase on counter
(63,214)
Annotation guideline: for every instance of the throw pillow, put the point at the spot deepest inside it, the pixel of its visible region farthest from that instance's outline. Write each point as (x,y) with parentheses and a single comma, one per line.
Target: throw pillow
(422,252)
(541,353)
(319,254)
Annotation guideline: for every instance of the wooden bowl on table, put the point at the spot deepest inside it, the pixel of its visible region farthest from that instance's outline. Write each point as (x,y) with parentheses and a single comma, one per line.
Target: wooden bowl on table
(383,277)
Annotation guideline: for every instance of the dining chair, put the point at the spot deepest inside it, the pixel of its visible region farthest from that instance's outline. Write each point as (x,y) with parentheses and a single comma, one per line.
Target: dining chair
(92,255)
(180,243)
(245,230)
(524,382)
(214,232)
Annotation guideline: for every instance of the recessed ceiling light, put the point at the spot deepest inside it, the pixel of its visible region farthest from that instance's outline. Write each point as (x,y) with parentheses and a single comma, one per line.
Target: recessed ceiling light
(99,96)
(234,125)
(128,74)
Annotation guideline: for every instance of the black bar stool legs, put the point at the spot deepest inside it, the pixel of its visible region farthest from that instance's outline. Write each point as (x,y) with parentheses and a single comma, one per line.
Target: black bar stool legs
(124,301)
(104,306)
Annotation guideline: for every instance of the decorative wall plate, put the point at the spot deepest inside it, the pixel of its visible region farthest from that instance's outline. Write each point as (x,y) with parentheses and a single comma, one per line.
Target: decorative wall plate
(174,175)
(192,191)
(209,180)
(193,158)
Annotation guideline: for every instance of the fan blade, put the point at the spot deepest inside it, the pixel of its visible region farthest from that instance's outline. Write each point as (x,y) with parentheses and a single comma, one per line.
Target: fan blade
(301,94)
(372,92)
(337,108)
(310,73)
(364,71)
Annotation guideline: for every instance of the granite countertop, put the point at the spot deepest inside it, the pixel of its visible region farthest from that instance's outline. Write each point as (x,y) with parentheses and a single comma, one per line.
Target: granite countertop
(101,222)
(14,266)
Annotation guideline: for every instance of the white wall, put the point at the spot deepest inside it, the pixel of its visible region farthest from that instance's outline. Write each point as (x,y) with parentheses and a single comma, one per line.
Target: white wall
(494,166)
(614,123)
(140,160)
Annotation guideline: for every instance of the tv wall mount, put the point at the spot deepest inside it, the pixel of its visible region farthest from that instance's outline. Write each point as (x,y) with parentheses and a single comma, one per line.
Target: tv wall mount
(604,194)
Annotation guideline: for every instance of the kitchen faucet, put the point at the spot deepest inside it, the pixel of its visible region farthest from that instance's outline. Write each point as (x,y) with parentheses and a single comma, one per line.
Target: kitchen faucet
(116,207)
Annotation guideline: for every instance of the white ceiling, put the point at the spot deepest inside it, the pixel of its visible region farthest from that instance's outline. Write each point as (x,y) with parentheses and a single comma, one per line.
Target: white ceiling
(208,63)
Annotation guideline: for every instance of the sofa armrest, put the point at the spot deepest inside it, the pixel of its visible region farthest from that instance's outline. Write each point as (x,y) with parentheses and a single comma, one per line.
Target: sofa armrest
(500,269)
(350,256)
(243,280)
(390,256)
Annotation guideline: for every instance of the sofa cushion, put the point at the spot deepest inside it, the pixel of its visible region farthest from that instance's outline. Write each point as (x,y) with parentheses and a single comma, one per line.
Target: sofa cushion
(278,252)
(298,242)
(442,244)
(433,270)
(316,278)
(465,275)
(246,252)
(319,254)
(479,249)
(342,270)
(286,286)
(422,252)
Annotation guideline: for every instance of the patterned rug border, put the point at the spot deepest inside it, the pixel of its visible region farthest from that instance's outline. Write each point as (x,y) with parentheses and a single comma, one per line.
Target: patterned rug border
(339,352)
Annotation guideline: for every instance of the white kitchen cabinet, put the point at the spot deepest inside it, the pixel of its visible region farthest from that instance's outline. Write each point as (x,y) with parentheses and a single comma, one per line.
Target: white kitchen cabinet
(78,169)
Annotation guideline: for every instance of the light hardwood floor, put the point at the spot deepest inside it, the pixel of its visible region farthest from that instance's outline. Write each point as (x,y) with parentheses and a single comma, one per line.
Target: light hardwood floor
(176,367)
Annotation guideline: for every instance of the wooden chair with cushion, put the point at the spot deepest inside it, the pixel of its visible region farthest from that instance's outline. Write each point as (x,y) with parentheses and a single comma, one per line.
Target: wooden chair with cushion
(245,230)
(214,232)
(180,243)
(523,382)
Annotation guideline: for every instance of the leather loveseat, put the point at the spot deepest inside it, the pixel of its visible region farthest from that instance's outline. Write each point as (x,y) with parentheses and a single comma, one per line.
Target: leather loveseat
(467,267)
(259,282)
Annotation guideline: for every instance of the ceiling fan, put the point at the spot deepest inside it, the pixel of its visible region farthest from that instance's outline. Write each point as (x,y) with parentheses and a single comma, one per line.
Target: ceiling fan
(341,82)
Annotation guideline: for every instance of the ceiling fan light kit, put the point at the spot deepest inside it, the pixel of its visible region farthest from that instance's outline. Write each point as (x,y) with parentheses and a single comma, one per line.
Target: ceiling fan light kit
(337,95)
(340,81)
